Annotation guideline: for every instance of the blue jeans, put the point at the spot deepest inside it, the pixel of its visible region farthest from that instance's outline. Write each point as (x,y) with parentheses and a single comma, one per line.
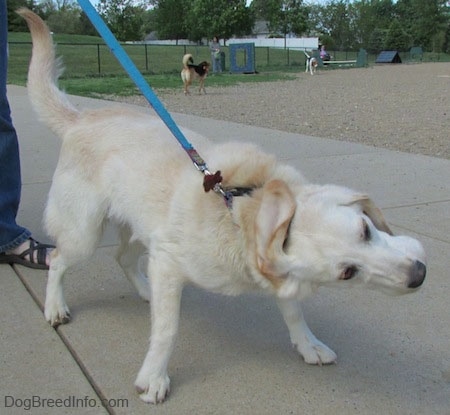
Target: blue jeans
(11,234)
(216,63)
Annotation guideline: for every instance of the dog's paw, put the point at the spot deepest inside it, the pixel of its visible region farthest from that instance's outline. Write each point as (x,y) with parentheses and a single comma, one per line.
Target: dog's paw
(57,315)
(317,353)
(155,391)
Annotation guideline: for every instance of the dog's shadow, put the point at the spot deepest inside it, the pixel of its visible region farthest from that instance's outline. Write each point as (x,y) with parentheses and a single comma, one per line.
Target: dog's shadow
(247,332)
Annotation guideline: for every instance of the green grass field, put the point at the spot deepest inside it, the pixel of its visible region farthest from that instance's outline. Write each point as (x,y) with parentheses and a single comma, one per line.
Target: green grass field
(91,69)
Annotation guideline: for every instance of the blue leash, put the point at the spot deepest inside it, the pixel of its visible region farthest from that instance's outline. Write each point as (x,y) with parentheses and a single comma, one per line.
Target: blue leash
(211,181)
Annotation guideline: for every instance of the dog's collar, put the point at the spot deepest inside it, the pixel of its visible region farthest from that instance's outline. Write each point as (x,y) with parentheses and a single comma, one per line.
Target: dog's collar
(229,193)
(214,182)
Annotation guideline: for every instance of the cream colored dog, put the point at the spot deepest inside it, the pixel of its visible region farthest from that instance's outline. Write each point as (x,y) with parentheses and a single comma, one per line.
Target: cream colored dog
(286,238)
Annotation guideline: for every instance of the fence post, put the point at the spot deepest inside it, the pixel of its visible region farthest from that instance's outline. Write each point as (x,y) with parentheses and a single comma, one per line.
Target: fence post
(98,58)
(146,57)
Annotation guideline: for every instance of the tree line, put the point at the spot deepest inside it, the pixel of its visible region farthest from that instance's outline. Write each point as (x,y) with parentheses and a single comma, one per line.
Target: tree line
(339,24)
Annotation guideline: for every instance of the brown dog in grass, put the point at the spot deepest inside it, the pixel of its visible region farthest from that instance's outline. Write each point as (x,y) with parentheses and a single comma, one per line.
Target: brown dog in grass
(191,71)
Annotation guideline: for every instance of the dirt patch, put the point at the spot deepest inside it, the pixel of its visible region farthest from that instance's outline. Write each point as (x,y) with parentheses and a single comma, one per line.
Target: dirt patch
(403,107)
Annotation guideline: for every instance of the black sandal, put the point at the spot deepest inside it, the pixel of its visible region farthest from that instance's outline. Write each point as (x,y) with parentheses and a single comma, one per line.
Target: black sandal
(35,246)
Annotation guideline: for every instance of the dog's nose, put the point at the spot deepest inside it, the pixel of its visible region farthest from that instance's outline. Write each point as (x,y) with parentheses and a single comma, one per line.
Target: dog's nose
(417,276)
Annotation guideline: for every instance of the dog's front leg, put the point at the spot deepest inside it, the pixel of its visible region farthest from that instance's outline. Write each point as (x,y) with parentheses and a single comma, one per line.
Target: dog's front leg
(153,383)
(313,350)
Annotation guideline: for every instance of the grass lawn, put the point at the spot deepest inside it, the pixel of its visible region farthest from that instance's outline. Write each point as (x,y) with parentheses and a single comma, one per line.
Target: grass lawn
(91,69)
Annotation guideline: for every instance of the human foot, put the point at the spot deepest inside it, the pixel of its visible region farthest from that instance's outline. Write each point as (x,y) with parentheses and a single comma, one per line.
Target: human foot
(31,254)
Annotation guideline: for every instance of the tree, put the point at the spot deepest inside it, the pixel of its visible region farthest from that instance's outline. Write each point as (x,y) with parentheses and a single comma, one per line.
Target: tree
(282,16)
(209,18)
(170,21)
(422,20)
(65,21)
(361,22)
(376,40)
(15,22)
(123,17)
(397,38)
(86,27)
(236,19)
(370,16)
(446,44)
(294,16)
(269,11)
(336,21)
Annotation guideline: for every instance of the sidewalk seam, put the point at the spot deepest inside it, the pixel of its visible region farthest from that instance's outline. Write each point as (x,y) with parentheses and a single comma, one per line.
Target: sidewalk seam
(67,344)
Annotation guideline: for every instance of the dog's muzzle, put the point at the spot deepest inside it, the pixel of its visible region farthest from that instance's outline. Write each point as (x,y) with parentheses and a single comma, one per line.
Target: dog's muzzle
(417,274)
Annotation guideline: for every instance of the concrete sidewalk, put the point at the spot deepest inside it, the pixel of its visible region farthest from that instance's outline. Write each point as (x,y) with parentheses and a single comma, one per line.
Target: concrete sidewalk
(233,355)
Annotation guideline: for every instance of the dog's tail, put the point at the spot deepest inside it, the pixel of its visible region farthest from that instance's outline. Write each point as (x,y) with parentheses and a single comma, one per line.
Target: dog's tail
(51,104)
(187,59)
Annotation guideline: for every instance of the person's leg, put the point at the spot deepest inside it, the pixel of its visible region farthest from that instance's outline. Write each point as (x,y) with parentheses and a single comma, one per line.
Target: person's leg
(11,234)
(16,245)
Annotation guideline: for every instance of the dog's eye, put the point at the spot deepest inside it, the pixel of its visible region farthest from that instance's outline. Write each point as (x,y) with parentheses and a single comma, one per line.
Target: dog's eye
(349,272)
(366,235)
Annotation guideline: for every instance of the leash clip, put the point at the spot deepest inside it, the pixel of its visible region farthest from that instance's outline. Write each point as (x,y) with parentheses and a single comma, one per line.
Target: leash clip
(211,181)
(214,182)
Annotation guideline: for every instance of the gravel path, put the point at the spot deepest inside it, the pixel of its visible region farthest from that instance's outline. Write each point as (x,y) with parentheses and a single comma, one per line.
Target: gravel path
(399,107)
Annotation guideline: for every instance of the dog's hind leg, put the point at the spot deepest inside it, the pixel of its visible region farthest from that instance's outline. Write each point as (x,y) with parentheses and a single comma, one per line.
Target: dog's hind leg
(186,83)
(56,310)
(132,257)
(76,229)
(62,258)
(313,350)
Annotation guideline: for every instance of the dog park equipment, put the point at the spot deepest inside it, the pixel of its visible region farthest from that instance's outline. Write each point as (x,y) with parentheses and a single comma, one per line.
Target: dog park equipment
(242,58)
(416,53)
(388,56)
(359,62)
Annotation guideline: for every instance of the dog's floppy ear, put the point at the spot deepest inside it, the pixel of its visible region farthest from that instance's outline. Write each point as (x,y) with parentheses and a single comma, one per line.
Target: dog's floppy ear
(373,212)
(272,223)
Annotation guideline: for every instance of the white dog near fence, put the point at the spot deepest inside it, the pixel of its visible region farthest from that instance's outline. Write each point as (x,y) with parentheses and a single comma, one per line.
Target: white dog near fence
(311,64)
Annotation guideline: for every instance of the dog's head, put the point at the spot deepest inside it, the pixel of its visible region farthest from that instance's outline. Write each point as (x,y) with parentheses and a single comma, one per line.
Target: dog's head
(329,235)
(205,65)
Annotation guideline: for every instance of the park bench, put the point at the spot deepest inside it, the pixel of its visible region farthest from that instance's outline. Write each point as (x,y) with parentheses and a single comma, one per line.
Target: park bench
(340,63)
